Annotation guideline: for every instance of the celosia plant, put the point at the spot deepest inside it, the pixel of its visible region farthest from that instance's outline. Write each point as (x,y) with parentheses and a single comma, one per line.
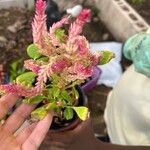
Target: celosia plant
(60,60)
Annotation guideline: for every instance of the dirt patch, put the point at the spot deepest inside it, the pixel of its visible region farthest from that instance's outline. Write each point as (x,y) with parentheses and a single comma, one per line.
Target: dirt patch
(142,8)
(15,34)
(97,101)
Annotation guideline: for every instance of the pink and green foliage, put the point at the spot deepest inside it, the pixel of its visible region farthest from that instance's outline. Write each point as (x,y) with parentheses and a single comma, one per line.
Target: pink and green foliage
(60,59)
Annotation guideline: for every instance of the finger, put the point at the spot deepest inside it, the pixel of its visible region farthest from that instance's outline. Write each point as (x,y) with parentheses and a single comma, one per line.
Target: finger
(7,102)
(25,133)
(18,117)
(39,133)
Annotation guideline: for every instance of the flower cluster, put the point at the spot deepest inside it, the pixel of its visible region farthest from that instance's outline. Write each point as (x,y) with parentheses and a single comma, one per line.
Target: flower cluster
(60,60)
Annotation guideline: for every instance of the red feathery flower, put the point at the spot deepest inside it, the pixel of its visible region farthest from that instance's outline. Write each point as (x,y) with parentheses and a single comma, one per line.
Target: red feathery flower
(58,66)
(53,29)
(77,26)
(19,90)
(31,65)
(39,28)
(85,15)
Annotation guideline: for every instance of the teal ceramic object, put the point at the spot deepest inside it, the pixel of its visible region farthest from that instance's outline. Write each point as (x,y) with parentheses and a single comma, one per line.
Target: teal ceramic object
(137,49)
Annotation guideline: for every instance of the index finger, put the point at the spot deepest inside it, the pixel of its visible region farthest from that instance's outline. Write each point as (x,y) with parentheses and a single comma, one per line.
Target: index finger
(7,102)
(39,133)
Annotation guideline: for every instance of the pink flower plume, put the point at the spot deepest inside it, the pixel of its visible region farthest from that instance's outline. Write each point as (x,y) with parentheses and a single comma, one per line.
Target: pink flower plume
(83,72)
(43,74)
(85,15)
(31,65)
(58,66)
(19,90)
(39,28)
(40,7)
(56,26)
(77,27)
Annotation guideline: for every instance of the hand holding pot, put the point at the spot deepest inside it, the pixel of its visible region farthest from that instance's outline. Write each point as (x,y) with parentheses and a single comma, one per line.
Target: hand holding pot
(29,138)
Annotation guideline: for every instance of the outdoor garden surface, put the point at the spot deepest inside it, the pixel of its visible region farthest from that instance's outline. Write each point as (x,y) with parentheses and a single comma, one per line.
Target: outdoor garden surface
(15,35)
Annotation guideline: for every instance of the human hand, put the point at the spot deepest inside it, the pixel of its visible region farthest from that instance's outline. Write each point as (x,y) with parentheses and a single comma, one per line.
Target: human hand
(29,138)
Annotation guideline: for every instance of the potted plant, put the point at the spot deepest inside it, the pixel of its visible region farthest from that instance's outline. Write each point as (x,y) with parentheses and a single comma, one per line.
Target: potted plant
(60,61)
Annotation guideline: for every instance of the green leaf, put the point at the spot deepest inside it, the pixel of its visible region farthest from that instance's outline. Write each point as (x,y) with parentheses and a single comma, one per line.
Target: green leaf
(33,51)
(26,79)
(50,94)
(34,100)
(56,92)
(42,60)
(60,35)
(68,113)
(51,106)
(53,93)
(39,113)
(82,112)
(106,57)
(14,65)
(55,79)
(15,69)
(76,93)
(66,96)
